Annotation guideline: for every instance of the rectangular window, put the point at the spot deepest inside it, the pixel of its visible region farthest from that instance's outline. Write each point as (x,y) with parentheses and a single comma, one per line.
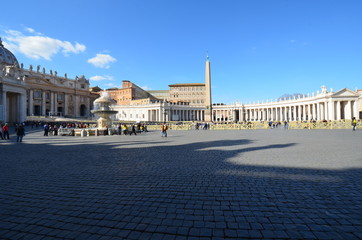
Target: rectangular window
(60,97)
(37,94)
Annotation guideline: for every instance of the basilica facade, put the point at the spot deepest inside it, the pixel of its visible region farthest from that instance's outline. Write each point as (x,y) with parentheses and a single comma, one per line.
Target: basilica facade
(35,92)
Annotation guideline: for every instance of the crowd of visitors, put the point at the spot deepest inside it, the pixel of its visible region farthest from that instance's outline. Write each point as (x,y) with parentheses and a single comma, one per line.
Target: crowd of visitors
(203,126)
(131,129)
(53,128)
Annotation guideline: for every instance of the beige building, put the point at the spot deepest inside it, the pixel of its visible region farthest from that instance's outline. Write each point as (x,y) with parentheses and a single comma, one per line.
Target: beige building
(163,95)
(191,93)
(34,92)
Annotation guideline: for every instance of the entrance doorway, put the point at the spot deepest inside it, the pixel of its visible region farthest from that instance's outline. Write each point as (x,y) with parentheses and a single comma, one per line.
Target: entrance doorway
(82,110)
(37,110)
(12,107)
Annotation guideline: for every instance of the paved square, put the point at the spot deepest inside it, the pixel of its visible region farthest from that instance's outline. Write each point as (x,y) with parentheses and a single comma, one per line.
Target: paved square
(262,184)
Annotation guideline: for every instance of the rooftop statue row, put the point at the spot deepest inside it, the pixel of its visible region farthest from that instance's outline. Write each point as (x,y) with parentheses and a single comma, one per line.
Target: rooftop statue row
(51,73)
(291,98)
(18,73)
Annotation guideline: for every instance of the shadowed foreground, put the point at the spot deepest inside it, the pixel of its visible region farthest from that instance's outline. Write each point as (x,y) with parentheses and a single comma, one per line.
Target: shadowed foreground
(262,184)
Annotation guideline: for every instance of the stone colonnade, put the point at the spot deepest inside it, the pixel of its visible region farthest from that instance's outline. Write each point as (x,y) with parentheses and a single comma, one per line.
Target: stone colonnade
(159,112)
(49,101)
(175,115)
(343,104)
(333,109)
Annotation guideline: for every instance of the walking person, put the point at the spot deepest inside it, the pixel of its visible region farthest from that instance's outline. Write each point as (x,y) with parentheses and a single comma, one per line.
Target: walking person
(354,124)
(133,130)
(46,130)
(20,132)
(164,130)
(119,129)
(124,129)
(285,124)
(6,131)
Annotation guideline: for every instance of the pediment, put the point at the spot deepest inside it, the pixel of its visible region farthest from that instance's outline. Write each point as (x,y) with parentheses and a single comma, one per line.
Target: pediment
(39,81)
(345,92)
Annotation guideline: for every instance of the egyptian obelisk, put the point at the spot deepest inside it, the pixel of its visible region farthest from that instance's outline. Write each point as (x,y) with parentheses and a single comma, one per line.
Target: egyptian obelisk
(208,102)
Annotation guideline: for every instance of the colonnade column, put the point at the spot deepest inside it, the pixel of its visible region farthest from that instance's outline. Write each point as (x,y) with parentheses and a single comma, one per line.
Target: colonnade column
(355,109)
(264,114)
(338,110)
(88,105)
(4,106)
(52,102)
(299,113)
(294,113)
(241,115)
(43,104)
(56,103)
(285,113)
(275,111)
(65,110)
(347,110)
(31,102)
(22,107)
(331,107)
(326,112)
(318,115)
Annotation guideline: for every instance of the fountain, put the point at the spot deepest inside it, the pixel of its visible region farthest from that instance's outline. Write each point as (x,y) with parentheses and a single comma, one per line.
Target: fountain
(103,110)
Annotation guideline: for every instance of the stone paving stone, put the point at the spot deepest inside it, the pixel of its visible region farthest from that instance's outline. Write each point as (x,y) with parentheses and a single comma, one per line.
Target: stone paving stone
(195,185)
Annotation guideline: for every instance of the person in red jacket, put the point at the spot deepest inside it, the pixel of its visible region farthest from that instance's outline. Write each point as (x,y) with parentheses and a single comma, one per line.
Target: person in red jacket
(6,131)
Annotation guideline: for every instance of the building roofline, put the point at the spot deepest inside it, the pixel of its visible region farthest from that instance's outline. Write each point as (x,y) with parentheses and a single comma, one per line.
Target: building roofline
(186,84)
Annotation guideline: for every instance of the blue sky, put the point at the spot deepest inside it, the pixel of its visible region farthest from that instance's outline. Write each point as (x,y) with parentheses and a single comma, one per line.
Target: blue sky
(259,50)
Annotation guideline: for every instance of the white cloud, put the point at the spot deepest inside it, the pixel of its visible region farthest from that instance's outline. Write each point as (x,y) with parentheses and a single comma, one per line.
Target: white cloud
(37,47)
(111,85)
(102,60)
(146,88)
(31,30)
(101,78)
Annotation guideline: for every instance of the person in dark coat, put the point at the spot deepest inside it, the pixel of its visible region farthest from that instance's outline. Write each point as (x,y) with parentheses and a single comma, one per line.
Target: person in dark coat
(133,130)
(20,133)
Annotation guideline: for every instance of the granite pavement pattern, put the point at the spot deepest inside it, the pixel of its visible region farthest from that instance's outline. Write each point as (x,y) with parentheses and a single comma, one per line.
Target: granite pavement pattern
(252,184)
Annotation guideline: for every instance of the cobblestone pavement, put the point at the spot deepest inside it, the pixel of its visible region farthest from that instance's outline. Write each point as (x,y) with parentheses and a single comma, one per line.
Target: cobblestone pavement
(261,184)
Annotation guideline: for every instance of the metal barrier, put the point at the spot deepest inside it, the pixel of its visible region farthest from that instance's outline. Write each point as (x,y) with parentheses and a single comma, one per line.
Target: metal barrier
(338,124)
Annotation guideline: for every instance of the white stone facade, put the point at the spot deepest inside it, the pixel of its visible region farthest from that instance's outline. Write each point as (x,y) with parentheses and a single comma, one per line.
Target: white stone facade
(160,112)
(343,104)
